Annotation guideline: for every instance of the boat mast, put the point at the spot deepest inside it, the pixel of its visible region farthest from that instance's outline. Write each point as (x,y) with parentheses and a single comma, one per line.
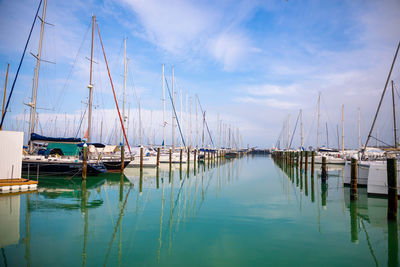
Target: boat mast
(173,104)
(140,125)
(197,124)
(359,130)
(383,94)
(190,121)
(187,119)
(342,128)
(124,97)
(327,139)
(36,79)
(319,100)
(163,102)
(301,132)
(394,117)
(181,115)
(4,98)
(90,86)
(288,132)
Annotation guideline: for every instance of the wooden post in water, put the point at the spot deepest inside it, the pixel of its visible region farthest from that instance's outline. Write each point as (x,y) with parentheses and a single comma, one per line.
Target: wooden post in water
(323,168)
(84,161)
(353,181)
(301,160)
(305,161)
(392,188)
(122,158)
(180,157)
(188,158)
(141,158)
(312,162)
(195,159)
(170,158)
(158,157)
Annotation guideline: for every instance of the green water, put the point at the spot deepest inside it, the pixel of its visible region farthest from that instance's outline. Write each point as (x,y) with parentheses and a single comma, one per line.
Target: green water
(243,212)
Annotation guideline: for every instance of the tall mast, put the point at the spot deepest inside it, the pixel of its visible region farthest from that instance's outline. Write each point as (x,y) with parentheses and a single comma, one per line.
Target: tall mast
(90,86)
(301,131)
(327,138)
(394,117)
(190,121)
(359,130)
(342,128)
(172,110)
(197,124)
(319,100)
(288,132)
(219,132)
(140,125)
(4,97)
(163,103)
(123,104)
(36,79)
(181,115)
(187,120)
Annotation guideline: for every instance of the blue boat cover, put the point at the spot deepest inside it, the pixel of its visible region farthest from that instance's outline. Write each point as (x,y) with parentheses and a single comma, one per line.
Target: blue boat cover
(38,137)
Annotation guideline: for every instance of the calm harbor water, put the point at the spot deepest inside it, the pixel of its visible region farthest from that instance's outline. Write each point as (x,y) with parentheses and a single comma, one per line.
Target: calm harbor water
(242,212)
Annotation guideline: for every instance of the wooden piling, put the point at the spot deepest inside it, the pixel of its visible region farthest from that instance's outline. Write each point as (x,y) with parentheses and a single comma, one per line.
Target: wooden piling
(188,158)
(170,158)
(195,159)
(353,181)
(141,158)
(122,158)
(158,157)
(84,161)
(312,162)
(392,188)
(180,157)
(305,161)
(301,160)
(323,168)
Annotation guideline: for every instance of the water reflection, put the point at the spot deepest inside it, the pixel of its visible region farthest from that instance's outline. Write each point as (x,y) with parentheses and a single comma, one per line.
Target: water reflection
(230,211)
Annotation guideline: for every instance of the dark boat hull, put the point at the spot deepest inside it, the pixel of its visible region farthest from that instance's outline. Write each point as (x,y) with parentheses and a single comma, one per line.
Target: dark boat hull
(115,165)
(59,168)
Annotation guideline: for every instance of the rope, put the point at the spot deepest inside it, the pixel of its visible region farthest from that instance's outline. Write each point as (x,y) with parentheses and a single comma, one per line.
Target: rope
(19,66)
(112,86)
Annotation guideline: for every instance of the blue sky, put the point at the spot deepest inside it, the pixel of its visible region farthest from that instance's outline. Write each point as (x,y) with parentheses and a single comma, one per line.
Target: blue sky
(253,63)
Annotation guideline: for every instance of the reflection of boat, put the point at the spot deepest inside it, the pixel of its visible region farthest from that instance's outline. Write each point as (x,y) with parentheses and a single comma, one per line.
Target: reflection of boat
(144,178)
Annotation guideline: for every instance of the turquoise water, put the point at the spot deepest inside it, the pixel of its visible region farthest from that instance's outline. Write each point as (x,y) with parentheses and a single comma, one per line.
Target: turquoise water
(243,212)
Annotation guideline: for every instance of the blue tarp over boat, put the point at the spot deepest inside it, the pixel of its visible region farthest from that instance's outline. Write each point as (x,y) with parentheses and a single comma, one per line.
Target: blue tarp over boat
(38,137)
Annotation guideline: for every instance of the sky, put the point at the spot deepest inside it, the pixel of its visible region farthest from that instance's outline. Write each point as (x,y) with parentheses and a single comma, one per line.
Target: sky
(252,64)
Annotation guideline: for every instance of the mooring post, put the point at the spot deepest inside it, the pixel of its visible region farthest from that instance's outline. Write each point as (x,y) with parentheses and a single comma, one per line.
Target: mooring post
(301,160)
(312,162)
(188,158)
(323,168)
(353,175)
(141,158)
(305,161)
(180,157)
(195,158)
(122,158)
(170,158)
(84,161)
(391,164)
(158,157)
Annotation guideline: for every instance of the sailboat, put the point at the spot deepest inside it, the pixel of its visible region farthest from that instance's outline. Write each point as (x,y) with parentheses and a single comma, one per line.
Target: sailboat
(51,155)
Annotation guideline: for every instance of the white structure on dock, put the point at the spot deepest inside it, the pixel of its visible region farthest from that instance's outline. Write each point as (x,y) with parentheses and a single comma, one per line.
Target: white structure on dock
(11,145)
(11,154)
